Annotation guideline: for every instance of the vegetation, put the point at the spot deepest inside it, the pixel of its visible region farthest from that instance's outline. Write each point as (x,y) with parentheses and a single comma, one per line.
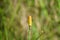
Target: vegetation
(45,19)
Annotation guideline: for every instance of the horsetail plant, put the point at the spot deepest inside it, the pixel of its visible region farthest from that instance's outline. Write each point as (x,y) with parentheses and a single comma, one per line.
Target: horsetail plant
(30,25)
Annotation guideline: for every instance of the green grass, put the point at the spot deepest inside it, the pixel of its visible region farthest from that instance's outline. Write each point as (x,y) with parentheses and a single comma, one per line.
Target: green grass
(45,24)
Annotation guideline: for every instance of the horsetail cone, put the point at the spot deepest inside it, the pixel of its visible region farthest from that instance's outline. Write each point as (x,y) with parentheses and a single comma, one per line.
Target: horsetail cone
(30,21)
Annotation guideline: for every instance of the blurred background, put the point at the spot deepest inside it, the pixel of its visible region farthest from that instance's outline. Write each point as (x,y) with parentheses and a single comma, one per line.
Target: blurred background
(45,19)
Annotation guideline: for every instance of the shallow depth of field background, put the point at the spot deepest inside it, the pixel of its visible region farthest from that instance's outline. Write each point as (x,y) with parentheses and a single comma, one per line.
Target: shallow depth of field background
(45,19)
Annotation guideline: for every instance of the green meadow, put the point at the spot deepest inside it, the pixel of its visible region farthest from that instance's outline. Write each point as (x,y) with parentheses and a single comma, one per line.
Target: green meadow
(14,19)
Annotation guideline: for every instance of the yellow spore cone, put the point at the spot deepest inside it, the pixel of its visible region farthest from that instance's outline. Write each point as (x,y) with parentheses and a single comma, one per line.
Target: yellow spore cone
(30,20)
